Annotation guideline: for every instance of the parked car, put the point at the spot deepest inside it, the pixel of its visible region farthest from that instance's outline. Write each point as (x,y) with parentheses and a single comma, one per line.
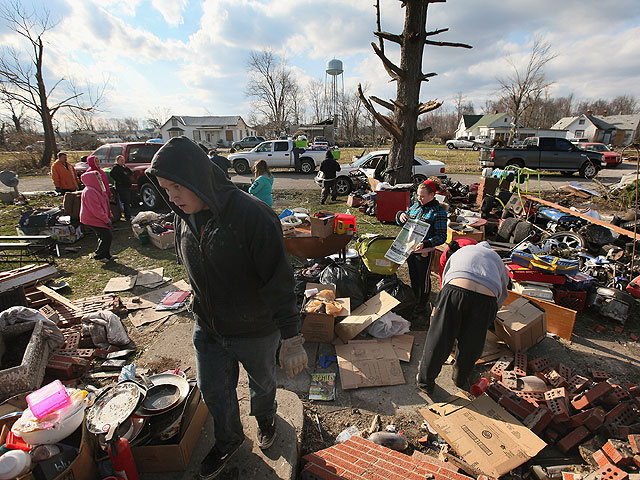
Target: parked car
(247,142)
(462,142)
(277,154)
(374,163)
(610,157)
(545,153)
(137,156)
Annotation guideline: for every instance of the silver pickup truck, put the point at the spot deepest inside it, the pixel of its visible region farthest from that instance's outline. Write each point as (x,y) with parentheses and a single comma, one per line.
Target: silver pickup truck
(277,154)
(545,153)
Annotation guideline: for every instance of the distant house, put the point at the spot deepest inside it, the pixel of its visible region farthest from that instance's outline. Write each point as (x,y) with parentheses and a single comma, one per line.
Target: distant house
(209,130)
(497,126)
(611,129)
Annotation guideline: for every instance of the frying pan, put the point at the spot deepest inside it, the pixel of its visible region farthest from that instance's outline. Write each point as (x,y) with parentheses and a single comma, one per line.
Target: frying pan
(113,407)
(163,379)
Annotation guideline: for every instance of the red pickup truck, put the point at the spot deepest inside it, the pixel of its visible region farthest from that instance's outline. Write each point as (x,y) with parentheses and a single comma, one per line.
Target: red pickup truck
(137,156)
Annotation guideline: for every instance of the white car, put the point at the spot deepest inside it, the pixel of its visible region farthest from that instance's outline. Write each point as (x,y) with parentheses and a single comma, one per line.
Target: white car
(376,161)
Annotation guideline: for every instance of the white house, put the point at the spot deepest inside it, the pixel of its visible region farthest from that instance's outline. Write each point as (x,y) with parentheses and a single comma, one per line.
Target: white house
(209,130)
(497,126)
(611,129)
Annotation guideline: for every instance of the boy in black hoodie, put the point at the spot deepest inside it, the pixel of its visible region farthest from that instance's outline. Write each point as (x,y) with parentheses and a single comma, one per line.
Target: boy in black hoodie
(121,175)
(232,248)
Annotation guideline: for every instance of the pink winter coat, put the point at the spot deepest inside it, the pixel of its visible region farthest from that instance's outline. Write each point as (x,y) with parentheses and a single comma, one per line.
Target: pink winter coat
(94,206)
(91,161)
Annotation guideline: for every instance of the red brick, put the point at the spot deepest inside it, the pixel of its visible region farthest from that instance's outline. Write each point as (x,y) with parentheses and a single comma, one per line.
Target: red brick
(538,420)
(621,414)
(633,337)
(391,470)
(573,439)
(611,472)
(618,452)
(564,371)
(556,380)
(589,448)
(636,460)
(497,390)
(600,458)
(587,398)
(600,375)
(577,384)
(319,472)
(619,329)
(618,395)
(539,364)
(634,443)
(510,379)
(348,465)
(352,451)
(513,408)
(333,455)
(595,419)
(551,434)
(599,328)
(520,364)
(60,370)
(557,404)
(625,430)
(571,476)
(634,390)
(532,397)
(500,366)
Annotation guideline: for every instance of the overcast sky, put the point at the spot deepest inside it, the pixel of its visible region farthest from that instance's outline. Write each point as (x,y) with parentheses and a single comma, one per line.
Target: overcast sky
(190,56)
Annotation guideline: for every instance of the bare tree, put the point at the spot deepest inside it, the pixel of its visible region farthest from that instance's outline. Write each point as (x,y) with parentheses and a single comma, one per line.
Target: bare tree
(408,77)
(157,116)
(462,106)
(316,99)
(87,99)
(296,106)
(523,87)
(271,87)
(352,116)
(16,110)
(23,82)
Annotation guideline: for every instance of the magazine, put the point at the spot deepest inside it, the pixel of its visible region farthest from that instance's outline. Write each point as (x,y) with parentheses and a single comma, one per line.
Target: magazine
(323,386)
(412,233)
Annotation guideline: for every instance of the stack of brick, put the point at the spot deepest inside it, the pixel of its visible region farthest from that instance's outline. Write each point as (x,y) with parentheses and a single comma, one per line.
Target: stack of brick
(360,459)
(597,415)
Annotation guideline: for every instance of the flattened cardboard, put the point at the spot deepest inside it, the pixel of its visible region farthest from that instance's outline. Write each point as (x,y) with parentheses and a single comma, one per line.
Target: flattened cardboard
(368,363)
(120,284)
(365,315)
(318,327)
(484,434)
(521,324)
(402,345)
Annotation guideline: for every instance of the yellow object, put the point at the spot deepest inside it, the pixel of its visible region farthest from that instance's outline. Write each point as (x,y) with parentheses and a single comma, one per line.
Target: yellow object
(341,227)
(457,230)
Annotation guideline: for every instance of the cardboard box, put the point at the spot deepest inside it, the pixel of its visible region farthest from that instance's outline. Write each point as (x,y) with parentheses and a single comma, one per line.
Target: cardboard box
(483,433)
(521,324)
(65,233)
(318,327)
(353,201)
(560,320)
(458,230)
(368,363)
(365,315)
(162,241)
(322,227)
(169,458)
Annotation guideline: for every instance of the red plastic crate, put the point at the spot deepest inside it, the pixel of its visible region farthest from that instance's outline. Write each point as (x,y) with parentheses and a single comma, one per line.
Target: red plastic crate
(523,274)
(575,300)
(390,202)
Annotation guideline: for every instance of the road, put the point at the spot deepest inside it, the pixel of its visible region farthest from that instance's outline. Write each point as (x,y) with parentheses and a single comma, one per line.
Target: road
(297,181)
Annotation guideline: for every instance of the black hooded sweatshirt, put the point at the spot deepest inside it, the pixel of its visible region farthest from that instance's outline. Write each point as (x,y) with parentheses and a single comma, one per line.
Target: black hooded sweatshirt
(234,253)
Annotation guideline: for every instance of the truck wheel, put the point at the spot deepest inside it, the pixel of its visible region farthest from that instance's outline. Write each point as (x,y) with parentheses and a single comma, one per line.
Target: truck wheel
(450,146)
(475,148)
(149,196)
(515,163)
(241,166)
(343,186)
(307,166)
(588,170)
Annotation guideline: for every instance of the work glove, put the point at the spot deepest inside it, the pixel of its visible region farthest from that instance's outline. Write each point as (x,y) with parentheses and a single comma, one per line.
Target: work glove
(293,357)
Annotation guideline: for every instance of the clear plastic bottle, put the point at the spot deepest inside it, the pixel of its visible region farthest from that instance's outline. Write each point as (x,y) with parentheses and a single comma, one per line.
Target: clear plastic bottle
(347,433)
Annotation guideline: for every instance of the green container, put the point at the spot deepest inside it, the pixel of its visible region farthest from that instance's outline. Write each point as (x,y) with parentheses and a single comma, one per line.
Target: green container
(144,238)
(336,154)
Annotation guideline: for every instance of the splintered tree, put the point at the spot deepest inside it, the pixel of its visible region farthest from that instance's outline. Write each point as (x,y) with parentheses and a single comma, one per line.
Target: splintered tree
(403,124)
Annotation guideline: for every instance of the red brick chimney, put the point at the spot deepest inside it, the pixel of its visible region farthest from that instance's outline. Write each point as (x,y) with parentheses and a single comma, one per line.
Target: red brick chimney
(604,113)
(589,112)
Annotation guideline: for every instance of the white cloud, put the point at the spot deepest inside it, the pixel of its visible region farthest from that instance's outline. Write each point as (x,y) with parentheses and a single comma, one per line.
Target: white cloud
(171,10)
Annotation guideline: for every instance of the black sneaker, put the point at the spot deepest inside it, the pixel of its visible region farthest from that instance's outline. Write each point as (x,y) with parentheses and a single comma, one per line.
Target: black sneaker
(266,433)
(425,387)
(215,461)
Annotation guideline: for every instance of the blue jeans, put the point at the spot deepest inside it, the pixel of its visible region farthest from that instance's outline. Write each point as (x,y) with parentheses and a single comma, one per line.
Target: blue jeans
(217,361)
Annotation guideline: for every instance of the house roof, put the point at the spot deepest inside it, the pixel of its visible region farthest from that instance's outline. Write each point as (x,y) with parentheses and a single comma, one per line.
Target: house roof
(623,122)
(599,122)
(470,120)
(207,121)
(488,119)
(563,123)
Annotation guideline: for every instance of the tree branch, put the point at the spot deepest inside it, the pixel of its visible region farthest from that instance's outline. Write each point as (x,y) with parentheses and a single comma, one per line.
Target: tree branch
(384,103)
(387,123)
(426,76)
(429,106)
(392,69)
(421,132)
(389,36)
(447,44)
(436,32)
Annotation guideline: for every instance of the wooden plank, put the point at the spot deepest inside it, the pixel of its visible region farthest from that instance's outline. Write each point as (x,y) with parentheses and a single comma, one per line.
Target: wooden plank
(56,297)
(26,275)
(616,229)
(560,320)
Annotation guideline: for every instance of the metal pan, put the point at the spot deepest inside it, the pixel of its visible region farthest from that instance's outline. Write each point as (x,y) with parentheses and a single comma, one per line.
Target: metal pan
(166,379)
(113,407)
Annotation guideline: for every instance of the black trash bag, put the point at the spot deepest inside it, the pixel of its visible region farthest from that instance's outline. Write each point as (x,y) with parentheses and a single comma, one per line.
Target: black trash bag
(347,281)
(401,292)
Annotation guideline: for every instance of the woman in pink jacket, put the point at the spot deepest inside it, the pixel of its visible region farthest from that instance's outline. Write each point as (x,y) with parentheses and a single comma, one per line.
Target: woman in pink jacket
(96,214)
(94,166)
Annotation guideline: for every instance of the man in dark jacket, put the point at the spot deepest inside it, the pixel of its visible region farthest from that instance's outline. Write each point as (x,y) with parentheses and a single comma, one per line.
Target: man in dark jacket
(329,167)
(222,162)
(121,175)
(232,249)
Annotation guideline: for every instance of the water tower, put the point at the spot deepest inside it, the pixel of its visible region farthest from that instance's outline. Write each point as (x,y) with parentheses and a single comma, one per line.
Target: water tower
(333,75)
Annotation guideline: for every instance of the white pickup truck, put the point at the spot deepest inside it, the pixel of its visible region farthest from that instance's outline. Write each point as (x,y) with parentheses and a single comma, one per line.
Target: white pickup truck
(277,154)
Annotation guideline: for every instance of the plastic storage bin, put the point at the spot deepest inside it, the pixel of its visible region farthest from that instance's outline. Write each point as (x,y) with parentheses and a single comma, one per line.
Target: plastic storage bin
(47,399)
(390,202)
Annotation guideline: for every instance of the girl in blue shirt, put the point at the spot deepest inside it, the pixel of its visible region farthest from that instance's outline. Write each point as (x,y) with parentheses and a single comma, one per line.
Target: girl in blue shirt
(263,184)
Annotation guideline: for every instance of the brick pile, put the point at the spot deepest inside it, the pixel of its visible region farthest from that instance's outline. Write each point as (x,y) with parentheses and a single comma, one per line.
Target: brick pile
(360,459)
(598,416)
